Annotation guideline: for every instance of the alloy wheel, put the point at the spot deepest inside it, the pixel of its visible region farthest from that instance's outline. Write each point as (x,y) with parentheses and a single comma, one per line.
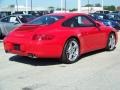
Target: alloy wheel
(72,51)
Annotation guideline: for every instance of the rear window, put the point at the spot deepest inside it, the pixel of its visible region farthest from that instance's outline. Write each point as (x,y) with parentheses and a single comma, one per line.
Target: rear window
(46,20)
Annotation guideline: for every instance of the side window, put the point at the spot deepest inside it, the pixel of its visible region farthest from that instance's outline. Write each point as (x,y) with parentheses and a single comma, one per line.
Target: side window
(5,19)
(114,17)
(69,23)
(100,17)
(117,17)
(84,21)
(79,21)
(13,19)
(23,19)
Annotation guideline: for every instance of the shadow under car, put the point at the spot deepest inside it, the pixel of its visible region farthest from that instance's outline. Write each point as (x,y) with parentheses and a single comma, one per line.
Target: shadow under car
(46,61)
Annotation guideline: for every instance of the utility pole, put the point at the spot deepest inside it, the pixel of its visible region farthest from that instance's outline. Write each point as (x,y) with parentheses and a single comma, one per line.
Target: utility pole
(31,5)
(17,4)
(26,6)
(65,6)
(102,5)
(61,5)
(88,6)
(79,5)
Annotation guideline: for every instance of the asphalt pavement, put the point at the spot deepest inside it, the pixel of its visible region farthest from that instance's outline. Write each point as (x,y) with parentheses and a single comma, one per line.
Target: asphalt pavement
(94,71)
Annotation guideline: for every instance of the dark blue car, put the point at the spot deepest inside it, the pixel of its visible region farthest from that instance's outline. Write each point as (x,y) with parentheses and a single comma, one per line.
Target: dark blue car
(112,20)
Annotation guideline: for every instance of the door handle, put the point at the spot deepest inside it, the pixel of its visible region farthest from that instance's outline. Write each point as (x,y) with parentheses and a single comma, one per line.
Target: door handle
(86,33)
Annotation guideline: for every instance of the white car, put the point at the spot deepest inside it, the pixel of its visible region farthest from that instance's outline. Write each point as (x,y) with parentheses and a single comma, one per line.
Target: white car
(10,22)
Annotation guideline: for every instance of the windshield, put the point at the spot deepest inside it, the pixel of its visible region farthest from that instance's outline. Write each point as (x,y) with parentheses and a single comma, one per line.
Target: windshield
(48,19)
(114,17)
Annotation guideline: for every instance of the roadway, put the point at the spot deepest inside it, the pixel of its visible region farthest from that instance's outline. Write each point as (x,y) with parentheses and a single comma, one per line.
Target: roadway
(94,71)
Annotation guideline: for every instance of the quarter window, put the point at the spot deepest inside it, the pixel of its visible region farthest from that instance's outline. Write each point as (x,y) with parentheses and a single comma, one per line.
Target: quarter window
(79,21)
(84,21)
(5,19)
(46,20)
(11,19)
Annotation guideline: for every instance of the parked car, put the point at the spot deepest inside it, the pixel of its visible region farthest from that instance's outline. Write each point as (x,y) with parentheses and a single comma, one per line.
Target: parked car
(38,13)
(115,12)
(107,19)
(10,22)
(19,12)
(4,13)
(103,12)
(0,16)
(64,35)
(114,17)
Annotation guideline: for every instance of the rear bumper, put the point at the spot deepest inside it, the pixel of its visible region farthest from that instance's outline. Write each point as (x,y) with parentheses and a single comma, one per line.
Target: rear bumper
(37,49)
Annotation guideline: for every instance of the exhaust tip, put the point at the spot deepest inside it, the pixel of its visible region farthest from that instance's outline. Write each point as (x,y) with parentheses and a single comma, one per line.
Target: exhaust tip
(6,51)
(30,55)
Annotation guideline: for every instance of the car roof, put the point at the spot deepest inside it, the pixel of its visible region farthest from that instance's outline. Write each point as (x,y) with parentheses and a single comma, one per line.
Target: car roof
(112,14)
(67,14)
(99,13)
(20,14)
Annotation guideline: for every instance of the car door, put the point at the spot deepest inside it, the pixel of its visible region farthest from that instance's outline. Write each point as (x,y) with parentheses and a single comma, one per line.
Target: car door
(92,37)
(9,23)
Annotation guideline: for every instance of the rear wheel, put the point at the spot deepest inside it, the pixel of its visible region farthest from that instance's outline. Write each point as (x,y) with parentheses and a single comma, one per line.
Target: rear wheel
(71,51)
(111,42)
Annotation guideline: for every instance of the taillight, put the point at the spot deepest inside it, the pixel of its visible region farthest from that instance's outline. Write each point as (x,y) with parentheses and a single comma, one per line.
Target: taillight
(42,37)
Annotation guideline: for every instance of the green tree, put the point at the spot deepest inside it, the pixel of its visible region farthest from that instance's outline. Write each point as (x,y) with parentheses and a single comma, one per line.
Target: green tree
(97,5)
(89,5)
(12,6)
(58,9)
(74,9)
(51,8)
(111,8)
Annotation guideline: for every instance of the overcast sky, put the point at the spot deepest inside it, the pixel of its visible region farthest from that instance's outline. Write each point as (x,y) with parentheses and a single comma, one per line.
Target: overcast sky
(56,3)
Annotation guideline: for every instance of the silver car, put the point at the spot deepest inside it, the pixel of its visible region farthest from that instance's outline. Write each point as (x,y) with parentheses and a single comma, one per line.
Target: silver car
(10,22)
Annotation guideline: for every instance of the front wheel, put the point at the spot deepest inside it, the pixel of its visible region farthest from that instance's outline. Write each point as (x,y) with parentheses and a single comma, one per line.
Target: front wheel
(111,42)
(71,51)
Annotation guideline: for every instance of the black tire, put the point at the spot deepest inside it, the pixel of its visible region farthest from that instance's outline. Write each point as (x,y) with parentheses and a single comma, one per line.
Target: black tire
(1,36)
(67,50)
(0,31)
(111,43)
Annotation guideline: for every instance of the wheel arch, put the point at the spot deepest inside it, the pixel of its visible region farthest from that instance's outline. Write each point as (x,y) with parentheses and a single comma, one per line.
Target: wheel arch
(65,43)
(75,37)
(68,40)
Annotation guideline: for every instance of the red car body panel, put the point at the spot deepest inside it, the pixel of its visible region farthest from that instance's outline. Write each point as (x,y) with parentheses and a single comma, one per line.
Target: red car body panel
(90,38)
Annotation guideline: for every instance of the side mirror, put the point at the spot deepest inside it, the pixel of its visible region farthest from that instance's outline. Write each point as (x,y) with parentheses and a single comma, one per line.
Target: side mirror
(98,24)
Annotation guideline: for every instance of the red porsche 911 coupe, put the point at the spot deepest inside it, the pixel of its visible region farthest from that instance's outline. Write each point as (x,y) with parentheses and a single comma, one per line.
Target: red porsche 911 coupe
(62,35)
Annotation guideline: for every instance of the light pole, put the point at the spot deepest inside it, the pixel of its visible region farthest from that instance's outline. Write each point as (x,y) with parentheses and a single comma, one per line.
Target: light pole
(88,5)
(65,6)
(17,4)
(79,5)
(102,5)
(26,6)
(31,5)
(61,5)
